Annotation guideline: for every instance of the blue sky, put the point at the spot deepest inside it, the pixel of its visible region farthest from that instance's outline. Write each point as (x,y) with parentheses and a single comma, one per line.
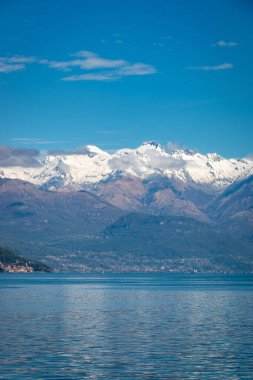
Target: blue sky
(115,74)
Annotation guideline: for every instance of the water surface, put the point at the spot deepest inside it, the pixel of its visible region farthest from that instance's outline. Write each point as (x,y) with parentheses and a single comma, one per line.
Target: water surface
(150,326)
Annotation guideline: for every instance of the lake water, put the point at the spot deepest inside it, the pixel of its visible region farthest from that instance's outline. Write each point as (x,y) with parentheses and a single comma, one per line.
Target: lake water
(150,326)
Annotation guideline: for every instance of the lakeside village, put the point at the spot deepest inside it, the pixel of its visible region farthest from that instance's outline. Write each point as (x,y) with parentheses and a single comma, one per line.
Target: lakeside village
(14,268)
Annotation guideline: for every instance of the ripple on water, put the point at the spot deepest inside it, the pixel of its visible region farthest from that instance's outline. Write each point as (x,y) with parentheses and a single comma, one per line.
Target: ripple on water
(126,326)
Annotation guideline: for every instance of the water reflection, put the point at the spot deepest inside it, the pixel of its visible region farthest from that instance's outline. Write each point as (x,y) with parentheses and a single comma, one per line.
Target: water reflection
(143,327)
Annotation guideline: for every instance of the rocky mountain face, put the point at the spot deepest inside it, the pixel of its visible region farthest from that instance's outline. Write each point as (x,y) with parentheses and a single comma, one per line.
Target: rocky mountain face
(148,179)
(157,195)
(233,209)
(77,231)
(47,212)
(136,209)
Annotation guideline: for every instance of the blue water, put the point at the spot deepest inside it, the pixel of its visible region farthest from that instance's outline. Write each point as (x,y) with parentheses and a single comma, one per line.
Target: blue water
(60,326)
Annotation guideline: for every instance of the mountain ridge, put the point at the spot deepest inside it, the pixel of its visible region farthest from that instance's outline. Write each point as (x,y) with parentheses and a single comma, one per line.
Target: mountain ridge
(89,166)
(62,211)
(150,178)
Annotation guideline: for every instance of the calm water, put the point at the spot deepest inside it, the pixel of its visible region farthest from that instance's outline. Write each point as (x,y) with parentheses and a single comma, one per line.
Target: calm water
(55,326)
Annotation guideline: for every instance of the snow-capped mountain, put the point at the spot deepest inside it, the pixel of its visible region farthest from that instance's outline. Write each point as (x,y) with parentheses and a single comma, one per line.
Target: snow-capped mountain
(90,166)
(172,199)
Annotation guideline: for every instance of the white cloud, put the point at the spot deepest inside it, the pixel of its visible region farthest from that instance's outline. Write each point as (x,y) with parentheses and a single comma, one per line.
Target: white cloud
(250,157)
(17,59)
(153,160)
(86,61)
(6,68)
(18,157)
(101,77)
(101,63)
(222,43)
(29,140)
(84,54)
(59,65)
(118,68)
(99,69)
(24,139)
(14,63)
(20,59)
(137,69)
(127,70)
(223,66)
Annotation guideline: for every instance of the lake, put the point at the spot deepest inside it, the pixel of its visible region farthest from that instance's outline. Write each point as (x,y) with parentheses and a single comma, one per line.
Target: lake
(126,326)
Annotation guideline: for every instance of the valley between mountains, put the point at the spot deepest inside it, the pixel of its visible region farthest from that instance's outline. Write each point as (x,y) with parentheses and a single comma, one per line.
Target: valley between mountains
(144,209)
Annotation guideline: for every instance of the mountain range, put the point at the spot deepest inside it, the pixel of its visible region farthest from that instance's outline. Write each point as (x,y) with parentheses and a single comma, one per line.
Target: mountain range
(135,209)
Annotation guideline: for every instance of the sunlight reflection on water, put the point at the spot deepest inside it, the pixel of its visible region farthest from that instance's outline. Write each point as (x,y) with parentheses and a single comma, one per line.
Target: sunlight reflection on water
(126,326)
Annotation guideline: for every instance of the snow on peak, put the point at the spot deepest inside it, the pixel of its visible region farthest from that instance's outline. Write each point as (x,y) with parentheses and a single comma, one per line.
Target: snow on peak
(89,150)
(214,157)
(152,144)
(95,149)
(149,145)
(89,165)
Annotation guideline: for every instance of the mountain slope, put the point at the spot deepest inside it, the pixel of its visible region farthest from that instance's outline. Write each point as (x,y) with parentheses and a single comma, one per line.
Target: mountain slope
(133,242)
(32,219)
(233,209)
(182,236)
(157,195)
(139,242)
